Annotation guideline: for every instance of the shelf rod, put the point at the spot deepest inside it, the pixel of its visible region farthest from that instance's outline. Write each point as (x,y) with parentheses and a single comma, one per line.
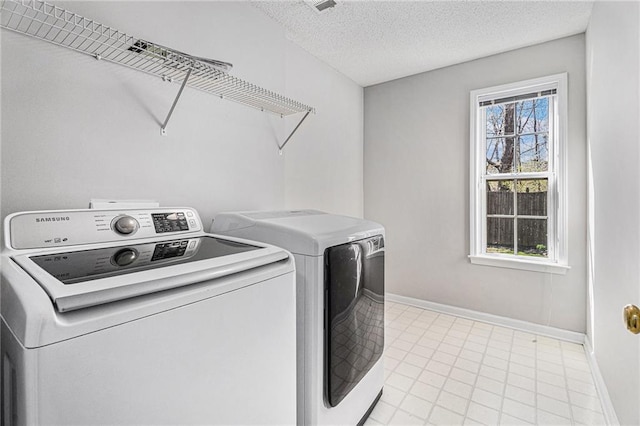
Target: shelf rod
(291,134)
(163,129)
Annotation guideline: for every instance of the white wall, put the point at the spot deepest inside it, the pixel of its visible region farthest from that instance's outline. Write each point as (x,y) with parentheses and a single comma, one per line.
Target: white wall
(417,185)
(324,170)
(74,128)
(613,87)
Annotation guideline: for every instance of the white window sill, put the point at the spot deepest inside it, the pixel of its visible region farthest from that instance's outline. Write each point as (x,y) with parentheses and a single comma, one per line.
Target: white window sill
(526,265)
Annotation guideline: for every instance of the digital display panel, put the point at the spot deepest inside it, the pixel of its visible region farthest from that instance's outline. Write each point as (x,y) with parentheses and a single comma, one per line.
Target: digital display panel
(169,222)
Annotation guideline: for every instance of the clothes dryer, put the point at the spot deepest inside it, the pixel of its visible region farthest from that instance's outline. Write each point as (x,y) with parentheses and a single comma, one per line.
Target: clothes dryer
(340,306)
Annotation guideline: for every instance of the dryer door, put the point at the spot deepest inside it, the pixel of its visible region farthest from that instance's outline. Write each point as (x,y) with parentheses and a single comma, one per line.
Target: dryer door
(354,314)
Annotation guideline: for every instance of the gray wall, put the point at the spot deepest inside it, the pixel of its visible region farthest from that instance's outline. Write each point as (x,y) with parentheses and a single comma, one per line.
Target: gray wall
(417,185)
(613,87)
(74,128)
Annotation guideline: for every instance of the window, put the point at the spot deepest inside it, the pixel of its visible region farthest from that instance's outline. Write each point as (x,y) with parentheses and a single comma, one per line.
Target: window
(518,175)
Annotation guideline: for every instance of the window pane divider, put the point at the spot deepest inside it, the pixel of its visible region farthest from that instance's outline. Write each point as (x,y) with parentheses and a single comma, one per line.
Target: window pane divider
(526,216)
(521,216)
(508,135)
(542,132)
(513,135)
(518,175)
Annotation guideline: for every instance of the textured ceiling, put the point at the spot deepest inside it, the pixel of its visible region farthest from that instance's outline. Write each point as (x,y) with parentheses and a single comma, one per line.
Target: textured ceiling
(376,41)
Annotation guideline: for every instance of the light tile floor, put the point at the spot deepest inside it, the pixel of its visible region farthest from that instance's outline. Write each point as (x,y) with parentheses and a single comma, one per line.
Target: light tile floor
(445,370)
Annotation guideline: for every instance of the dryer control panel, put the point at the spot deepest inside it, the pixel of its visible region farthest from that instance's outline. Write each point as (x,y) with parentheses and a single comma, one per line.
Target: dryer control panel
(60,228)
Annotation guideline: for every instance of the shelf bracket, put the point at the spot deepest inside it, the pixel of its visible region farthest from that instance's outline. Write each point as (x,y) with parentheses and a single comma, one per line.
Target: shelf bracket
(291,134)
(163,129)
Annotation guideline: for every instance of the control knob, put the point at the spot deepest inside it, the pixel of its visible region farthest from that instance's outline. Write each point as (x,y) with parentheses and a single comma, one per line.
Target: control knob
(125,225)
(124,257)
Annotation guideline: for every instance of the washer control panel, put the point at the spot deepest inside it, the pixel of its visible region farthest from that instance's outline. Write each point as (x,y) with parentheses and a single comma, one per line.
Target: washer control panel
(65,228)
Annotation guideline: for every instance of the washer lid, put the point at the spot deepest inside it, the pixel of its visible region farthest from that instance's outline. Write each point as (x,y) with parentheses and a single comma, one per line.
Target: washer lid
(306,232)
(82,278)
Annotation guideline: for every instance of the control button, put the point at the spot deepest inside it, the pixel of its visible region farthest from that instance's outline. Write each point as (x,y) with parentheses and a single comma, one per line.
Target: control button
(192,222)
(190,214)
(125,225)
(124,257)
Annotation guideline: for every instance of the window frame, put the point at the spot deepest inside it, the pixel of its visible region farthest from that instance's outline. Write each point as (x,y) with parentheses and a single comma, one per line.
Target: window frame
(557,218)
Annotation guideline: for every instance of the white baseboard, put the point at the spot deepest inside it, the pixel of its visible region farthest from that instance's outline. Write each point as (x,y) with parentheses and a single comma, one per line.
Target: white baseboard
(607,406)
(528,327)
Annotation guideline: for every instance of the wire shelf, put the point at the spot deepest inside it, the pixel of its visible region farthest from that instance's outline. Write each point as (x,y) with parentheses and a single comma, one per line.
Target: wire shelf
(53,24)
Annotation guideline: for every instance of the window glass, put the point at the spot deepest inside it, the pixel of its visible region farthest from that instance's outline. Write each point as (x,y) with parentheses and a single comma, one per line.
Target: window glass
(533,115)
(532,237)
(533,153)
(500,197)
(532,197)
(500,155)
(500,235)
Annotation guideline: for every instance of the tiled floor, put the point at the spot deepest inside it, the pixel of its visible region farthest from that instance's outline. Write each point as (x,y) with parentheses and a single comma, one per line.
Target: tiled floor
(445,370)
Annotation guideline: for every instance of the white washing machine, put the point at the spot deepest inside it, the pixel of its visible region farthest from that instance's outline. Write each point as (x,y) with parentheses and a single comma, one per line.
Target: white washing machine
(340,293)
(139,317)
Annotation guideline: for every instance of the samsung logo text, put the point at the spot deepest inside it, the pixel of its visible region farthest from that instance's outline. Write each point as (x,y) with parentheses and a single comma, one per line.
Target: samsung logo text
(52,219)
